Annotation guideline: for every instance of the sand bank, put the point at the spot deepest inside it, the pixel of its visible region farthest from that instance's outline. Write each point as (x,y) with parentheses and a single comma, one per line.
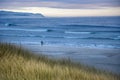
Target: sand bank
(105,59)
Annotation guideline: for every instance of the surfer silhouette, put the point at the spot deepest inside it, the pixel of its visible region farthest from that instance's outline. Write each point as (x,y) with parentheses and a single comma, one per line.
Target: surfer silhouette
(42,43)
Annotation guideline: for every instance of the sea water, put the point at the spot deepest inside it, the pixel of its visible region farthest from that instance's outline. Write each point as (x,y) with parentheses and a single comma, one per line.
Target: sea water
(97,36)
(92,32)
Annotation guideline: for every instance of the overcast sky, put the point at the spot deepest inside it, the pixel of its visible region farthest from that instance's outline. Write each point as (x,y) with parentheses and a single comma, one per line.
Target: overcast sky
(62,8)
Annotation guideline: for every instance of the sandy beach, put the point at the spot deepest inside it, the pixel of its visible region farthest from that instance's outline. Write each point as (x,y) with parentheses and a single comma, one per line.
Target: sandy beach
(17,63)
(105,59)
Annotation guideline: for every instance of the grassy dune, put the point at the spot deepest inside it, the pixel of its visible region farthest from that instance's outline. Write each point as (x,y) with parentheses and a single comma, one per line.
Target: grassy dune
(19,64)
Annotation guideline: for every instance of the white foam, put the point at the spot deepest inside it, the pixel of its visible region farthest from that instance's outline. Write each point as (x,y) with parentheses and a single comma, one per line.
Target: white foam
(78,32)
(15,29)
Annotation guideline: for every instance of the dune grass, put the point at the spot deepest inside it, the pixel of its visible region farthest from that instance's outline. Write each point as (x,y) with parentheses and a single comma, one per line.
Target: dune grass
(19,64)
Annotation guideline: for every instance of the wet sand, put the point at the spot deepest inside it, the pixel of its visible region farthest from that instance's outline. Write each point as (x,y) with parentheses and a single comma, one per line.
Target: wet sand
(105,59)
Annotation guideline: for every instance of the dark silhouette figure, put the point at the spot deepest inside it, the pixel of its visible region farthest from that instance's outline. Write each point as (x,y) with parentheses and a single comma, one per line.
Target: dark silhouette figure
(42,43)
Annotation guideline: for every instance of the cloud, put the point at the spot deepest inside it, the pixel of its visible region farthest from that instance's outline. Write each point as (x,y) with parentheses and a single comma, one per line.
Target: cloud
(65,8)
(112,2)
(54,4)
(57,12)
(68,1)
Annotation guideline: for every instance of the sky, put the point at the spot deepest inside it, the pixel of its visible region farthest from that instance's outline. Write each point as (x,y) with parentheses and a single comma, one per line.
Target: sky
(64,8)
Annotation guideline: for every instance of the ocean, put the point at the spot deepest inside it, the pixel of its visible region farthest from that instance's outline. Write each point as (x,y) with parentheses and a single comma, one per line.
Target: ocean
(91,32)
(93,41)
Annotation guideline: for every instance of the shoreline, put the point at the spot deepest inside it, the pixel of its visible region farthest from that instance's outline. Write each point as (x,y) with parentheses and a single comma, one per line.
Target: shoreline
(18,63)
(104,59)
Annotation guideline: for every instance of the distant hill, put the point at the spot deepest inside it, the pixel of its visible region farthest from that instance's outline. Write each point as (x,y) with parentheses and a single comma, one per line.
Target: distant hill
(10,14)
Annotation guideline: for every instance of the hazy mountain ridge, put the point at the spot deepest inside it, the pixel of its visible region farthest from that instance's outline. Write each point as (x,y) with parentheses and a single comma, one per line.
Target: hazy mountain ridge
(10,14)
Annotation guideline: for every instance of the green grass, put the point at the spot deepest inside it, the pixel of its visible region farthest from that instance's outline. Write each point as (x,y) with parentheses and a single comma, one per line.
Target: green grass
(19,64)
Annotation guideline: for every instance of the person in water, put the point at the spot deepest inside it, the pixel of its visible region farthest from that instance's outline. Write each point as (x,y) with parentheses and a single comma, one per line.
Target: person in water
(41,43)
